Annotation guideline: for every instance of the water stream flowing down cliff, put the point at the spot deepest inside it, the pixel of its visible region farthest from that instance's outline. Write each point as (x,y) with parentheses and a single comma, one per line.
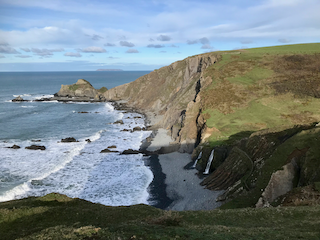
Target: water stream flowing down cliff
(195,163)
(209,163)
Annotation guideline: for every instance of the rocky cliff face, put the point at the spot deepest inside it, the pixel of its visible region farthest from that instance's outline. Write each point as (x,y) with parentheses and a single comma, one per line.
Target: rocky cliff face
(80,89)
(173,92)
(255,108)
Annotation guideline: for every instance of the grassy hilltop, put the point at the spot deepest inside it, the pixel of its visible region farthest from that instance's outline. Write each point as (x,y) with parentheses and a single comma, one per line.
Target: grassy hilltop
(261,88)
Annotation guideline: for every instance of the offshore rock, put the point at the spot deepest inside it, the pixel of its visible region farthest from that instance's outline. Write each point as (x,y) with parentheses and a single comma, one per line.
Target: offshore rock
(108,151)
(69,139)
(131,151)
(19,99)
(15,147)
(80,89)
(36,147)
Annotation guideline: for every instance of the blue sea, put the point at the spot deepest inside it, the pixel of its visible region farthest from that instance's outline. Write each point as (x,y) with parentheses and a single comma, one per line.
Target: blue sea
(75,169)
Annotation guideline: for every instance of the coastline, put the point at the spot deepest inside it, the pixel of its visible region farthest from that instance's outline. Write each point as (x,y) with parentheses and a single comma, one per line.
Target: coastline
(175,186)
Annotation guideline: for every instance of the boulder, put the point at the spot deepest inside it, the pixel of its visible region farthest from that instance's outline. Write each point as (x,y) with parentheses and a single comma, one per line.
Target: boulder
(19,99)
(112,146)
(107,151)
(36,147)
(15,147)
(137,129)
(131,151)
(279,184)
(88,140)
(69,139)
(118,122)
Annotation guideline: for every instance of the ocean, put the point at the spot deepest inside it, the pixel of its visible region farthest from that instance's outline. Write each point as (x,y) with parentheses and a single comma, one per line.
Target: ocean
(76,169)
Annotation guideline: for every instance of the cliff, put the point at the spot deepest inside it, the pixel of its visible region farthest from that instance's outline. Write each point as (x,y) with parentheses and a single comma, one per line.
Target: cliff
(245,105)
(173,93)
(82,90)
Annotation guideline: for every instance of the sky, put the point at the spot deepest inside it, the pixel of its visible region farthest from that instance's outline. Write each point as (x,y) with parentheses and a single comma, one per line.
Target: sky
(83,35)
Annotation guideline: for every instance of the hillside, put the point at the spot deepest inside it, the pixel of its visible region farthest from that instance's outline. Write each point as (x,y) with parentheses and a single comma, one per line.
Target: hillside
(257,108)
(56,216)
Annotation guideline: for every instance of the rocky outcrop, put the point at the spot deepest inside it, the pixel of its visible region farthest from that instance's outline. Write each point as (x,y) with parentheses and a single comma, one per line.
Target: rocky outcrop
(80,89)
(108,151)
(171,91)
(280,183)
(15,147)
(19,99)
(265,166)
(69,139)
(36,147)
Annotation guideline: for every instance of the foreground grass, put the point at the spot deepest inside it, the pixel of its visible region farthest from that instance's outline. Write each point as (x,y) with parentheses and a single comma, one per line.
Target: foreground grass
(58,217)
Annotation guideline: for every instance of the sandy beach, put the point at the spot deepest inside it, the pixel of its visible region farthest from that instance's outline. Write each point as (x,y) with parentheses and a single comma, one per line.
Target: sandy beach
(182,186)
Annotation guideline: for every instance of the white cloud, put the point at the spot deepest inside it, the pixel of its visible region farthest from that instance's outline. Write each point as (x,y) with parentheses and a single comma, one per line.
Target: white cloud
(71,54)
(191,42)
(93,50)
(96,37)
(204,40)
(131,50)
(126,44)
(163,38)
(109,45)
(23,56)
(206,46)
(25,49)
(45,52)
(155,46)
(8,50)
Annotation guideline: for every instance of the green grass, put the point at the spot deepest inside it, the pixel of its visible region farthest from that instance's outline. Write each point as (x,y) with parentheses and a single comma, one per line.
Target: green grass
(73,87)
(58,217)
(103,90)
(251,77)
(309,48)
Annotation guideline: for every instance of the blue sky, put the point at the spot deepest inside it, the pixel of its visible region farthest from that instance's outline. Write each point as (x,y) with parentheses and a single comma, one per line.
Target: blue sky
(73,35)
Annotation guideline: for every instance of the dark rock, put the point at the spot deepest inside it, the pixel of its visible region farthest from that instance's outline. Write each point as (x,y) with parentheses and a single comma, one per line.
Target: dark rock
(113,146)
(36,147)
(88,140)
(131,151)
(107,151)
(15,147)
(137,129)
(69,139)
(137,117)
(118,122)
(35,140)
(125,130)
(83,112)
(19,99)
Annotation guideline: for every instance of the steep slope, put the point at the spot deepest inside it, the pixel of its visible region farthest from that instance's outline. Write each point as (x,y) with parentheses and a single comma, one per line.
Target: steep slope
(170,91)
(246,105)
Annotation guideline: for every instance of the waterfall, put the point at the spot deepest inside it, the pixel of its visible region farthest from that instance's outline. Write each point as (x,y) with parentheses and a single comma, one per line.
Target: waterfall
(195,163)
(209,163)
